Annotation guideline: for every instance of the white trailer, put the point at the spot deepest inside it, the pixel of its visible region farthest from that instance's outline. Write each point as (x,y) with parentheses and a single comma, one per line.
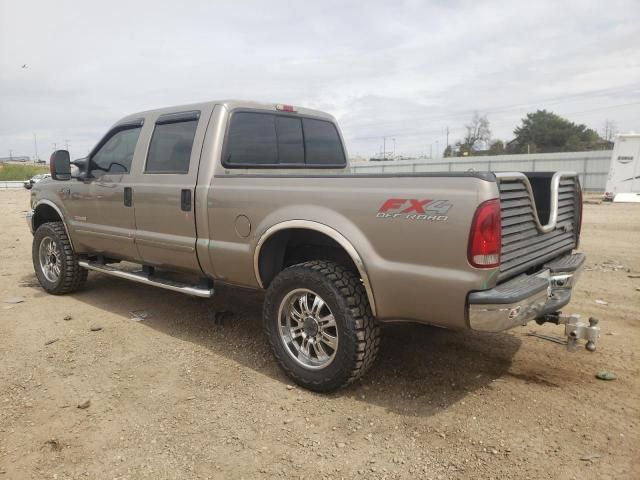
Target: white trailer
(623,182)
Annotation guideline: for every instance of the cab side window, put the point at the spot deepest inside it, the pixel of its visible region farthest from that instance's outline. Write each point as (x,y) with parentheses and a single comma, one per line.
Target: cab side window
(171,144)
(116,155)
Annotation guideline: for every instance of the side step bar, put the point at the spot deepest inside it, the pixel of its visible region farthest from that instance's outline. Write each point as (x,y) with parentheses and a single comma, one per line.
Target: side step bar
(142,277)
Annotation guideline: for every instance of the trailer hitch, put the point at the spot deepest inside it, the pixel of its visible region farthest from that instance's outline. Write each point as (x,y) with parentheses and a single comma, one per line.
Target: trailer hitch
(574,330)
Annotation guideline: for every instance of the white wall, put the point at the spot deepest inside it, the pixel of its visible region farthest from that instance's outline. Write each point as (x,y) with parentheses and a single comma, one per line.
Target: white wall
(593,167)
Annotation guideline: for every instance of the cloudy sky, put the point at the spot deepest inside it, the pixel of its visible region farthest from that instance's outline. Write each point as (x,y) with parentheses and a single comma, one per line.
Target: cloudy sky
(405,70)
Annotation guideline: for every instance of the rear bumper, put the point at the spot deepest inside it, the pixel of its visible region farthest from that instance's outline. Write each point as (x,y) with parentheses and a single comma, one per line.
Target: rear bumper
(525,297)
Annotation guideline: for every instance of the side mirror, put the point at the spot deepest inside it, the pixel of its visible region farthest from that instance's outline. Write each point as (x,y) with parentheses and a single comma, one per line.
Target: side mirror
(60,165)
(81,163)
(79,168)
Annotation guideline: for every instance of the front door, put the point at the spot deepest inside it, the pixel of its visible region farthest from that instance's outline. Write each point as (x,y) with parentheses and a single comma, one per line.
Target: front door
(102,216)
(164,192)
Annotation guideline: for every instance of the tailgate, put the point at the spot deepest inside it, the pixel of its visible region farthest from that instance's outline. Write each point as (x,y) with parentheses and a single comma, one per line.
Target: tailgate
(530,235)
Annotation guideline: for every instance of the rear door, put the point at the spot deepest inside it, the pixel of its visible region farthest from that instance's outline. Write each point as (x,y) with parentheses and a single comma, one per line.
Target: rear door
(163,196)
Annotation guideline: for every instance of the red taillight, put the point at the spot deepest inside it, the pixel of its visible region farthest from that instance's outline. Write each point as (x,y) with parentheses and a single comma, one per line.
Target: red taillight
(486,236)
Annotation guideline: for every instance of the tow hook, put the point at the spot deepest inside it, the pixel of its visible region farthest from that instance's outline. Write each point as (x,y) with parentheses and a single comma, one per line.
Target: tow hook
(574,330)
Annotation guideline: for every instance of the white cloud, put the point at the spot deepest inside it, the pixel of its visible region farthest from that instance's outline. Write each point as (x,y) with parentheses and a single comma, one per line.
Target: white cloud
(402,69)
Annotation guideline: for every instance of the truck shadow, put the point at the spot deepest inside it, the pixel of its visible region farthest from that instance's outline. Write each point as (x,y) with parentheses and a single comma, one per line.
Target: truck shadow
(420,369)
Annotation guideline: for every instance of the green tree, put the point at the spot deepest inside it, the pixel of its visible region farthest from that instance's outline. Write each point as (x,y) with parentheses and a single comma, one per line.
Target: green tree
(463,149)
(544,131)
(497,148)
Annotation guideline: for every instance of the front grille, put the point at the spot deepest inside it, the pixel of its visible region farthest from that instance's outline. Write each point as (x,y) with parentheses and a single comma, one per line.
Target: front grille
(523,246)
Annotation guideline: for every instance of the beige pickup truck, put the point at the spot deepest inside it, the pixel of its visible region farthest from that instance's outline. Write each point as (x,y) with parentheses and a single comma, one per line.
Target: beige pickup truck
(261,196)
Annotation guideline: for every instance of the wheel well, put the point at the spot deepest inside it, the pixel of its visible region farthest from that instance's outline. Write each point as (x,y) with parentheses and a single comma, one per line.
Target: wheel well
(45,213)
(296,245)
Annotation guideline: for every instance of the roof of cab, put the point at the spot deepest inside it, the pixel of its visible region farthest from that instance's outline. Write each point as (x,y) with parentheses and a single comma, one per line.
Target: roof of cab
(229,105)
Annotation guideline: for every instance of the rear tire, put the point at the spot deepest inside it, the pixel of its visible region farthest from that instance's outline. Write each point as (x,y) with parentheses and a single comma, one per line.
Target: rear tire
(54,261)
(326,345)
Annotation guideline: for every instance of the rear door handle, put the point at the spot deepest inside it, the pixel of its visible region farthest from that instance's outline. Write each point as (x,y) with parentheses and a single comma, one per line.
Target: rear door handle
(128,196)
(185,200)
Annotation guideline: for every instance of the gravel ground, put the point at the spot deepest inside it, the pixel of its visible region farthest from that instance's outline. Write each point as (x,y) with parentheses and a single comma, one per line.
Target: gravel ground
(180,394)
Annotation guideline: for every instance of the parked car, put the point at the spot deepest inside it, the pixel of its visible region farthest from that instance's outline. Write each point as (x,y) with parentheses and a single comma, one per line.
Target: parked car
(35,179)
(261,196)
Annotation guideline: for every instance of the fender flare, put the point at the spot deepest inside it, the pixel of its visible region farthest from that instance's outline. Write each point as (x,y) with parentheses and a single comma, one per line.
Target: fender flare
(58,211)
(321,228)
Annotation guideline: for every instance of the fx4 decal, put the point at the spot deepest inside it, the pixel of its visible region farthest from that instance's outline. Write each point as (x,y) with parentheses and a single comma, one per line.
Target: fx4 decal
(412,209)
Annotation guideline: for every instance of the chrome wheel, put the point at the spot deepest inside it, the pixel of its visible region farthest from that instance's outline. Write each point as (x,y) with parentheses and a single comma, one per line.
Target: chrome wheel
(308,329)
(49,256)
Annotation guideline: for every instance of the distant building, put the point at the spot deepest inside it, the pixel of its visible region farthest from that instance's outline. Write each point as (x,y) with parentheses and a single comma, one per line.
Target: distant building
(15,159)
(357,159)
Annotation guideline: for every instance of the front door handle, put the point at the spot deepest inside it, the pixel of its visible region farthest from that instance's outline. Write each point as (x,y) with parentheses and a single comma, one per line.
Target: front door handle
(128,196)
(185,200)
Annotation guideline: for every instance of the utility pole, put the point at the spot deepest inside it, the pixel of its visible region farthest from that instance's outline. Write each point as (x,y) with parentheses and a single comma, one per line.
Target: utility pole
(35,144)
(447,137)
(66,143)
(55,146)
(384,148)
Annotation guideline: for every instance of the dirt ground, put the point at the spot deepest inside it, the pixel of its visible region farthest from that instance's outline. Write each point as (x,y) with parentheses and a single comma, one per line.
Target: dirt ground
(180,395)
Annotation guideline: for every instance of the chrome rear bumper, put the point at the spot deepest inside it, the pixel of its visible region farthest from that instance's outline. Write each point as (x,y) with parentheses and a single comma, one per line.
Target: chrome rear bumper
(526,297)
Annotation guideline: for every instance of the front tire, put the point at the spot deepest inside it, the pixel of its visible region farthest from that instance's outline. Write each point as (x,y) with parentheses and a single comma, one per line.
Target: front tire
(320,326)
(54,261)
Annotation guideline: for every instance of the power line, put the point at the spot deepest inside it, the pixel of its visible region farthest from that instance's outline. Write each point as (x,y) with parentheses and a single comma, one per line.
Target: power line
(603,108)
(499,123)
(517,106)
(556,100)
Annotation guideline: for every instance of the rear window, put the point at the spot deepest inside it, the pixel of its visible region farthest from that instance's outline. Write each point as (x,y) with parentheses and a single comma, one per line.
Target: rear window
(252,140)
(268,140)
(170,148)
(322,143)
(290,140)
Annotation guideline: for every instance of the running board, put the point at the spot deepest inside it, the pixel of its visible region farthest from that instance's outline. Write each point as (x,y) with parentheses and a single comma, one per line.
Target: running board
(142,277)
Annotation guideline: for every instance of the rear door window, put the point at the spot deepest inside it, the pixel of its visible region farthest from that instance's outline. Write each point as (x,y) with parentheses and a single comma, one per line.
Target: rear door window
(170,147)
